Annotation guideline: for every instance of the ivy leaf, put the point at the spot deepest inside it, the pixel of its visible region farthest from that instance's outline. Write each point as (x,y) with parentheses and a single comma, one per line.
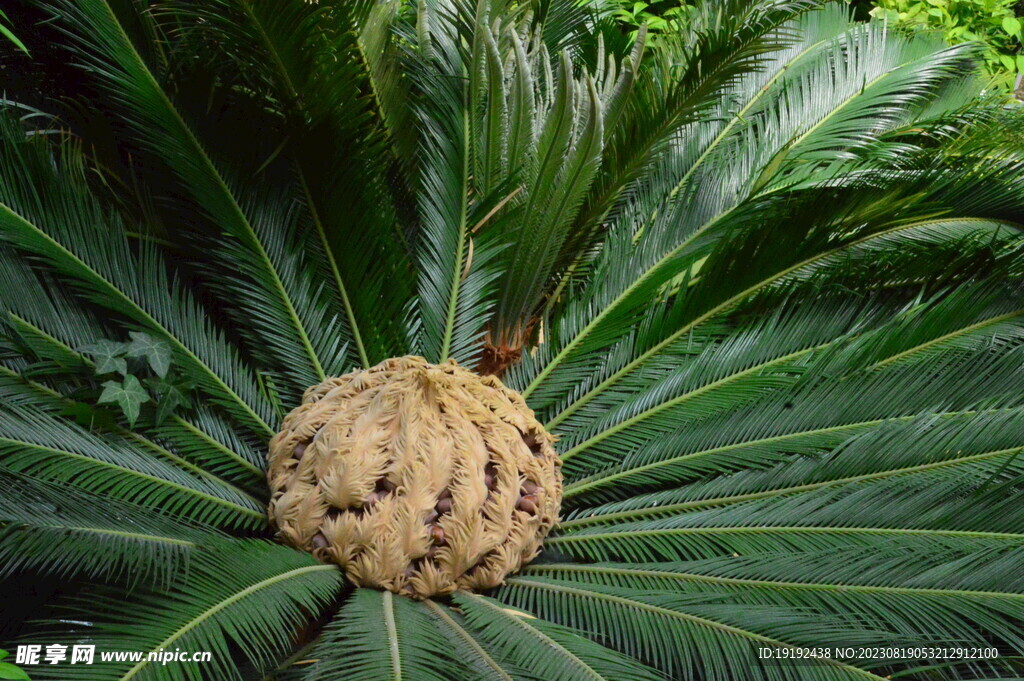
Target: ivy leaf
(129,395)
(170,396)
(156,351)
(9,671)
(108,356)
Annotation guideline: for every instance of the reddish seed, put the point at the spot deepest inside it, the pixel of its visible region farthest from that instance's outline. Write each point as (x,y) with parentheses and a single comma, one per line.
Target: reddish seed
(319,541)
(529,487)
(444,505)
(437,534)
(431,517)
(300,450)
(527,503)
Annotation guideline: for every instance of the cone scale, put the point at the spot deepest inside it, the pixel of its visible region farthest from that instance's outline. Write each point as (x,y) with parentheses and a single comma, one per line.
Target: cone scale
(416,478)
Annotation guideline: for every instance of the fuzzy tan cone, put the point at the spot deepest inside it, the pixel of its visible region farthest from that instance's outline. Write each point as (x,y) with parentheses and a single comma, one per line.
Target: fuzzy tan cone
(416,478)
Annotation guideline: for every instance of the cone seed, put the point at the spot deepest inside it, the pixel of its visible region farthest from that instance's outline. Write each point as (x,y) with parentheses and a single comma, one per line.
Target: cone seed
(416,478)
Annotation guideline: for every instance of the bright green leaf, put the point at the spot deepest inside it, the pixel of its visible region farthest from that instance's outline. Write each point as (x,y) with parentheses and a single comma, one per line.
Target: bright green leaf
(7,33)
(9,671)
(1011,25)
(129,395)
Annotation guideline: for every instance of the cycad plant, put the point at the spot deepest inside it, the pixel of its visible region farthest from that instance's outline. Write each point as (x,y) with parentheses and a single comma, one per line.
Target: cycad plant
(760,289)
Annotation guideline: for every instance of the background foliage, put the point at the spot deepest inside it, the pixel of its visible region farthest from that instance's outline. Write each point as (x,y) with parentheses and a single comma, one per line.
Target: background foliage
(993,23)
(996,24)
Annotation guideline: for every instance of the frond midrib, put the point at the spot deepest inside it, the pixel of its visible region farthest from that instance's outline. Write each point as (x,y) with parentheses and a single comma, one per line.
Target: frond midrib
(156,538)
(393,648)
(991,321)
(769,529)
(453,300)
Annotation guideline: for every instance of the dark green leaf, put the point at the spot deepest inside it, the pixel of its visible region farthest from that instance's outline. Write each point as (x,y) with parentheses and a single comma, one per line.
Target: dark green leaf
(127,394)
(108,355)
(156,352)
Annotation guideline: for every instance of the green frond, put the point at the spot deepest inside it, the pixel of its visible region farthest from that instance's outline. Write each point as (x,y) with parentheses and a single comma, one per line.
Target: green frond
(48,331)
(557,162)
(917,597)
(51,529)
(208,439)
(807,416)
(18,390)
(268,273)
(49,448)
(547,650)
(932,510)
(308,60)
(948,444)
(240,600)
(379,635)
(650,389)
(486,664)
(88,248)
(669,226)
(720,45)
(885,589)
(687,635)
(457,269)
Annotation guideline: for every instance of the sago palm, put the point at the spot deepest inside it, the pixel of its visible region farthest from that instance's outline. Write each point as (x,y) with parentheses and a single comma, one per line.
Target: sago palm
(473,341)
